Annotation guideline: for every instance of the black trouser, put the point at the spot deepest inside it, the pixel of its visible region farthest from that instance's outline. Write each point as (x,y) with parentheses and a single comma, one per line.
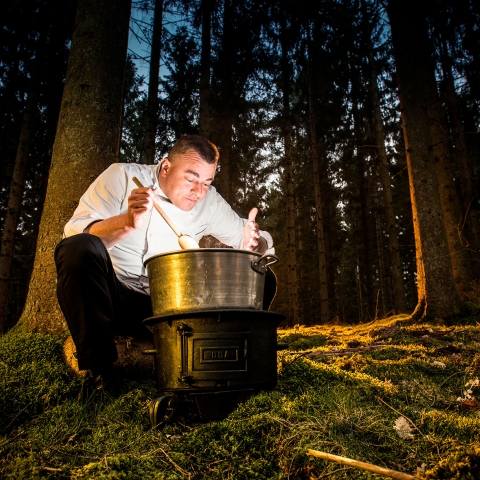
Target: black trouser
(97,306)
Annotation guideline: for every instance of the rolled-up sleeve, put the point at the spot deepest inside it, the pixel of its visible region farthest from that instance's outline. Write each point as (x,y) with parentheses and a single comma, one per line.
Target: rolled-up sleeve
(226,225)
(269,240)
(103,199)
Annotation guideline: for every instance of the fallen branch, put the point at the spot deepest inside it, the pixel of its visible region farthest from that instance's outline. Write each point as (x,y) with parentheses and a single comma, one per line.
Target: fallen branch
(345,351)
(177,467)
(386,472)
(51,469)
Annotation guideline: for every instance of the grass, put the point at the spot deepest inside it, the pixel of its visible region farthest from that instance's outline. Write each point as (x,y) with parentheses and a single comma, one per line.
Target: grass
(340,390)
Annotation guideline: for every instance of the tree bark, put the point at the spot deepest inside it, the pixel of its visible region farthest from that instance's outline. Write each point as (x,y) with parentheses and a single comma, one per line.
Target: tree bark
(360,184)
(322,258)
(384,292)
(225,106)
(87,141)
(393,245)
(225,147)
(471,234)
(437,295)
(204,118)
(151,119)
(292,281)
(448,196)
(15,197)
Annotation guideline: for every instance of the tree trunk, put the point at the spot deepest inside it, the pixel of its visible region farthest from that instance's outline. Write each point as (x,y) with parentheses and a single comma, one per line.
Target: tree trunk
(322,259)
(204,118)
(452,215)
(471,234)
(151,119)
(393,246)
(292,281)
(225,147)
(384,292)
(225,106)
(437,295)
(15,197)
(363,228)
(331,244)
(87,141)
(366,260)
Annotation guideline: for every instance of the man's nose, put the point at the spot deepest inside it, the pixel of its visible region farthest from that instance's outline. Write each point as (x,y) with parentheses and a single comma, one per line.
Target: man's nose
(197,188)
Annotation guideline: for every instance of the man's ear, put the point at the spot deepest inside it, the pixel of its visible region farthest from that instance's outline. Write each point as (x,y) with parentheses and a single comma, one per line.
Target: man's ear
(165,167)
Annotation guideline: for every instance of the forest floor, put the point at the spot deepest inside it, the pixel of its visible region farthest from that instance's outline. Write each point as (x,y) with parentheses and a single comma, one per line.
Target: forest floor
(394,393)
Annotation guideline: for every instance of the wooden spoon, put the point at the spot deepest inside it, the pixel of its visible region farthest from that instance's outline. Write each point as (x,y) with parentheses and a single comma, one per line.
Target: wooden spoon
(185,241)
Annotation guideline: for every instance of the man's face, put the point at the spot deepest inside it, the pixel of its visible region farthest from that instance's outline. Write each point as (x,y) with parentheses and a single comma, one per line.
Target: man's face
(186,180)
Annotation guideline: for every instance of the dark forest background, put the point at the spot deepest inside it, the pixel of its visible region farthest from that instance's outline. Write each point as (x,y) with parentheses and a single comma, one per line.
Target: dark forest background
(302,100)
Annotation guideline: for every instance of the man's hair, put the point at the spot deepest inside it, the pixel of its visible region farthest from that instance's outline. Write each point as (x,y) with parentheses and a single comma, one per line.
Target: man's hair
(206,149)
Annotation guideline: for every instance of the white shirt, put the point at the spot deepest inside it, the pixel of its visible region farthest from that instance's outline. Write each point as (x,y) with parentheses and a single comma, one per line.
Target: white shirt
(108,196)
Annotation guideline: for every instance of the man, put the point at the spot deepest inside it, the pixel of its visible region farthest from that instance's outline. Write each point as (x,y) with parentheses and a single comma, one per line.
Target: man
(102,286)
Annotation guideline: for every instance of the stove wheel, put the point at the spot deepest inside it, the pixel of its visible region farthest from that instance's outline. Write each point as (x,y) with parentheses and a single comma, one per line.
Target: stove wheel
(162,410)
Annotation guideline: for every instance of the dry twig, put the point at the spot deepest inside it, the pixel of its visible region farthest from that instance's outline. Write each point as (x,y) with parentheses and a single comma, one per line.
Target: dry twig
(401,414)
(344,351)
(386,472)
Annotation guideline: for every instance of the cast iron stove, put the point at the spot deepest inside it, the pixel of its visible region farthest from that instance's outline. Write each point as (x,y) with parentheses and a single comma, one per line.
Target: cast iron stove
(207,362)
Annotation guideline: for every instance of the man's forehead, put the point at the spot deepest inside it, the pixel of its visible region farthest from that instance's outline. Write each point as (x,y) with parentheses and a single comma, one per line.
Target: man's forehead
(195,166)
(197,173)
(190,154)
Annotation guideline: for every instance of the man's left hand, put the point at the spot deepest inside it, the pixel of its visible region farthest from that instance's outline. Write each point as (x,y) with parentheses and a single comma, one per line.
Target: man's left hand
(251,235)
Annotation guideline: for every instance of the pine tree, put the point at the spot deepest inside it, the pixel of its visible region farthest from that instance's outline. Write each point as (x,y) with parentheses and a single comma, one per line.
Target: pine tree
(437,295)
(35,42)
(92,97)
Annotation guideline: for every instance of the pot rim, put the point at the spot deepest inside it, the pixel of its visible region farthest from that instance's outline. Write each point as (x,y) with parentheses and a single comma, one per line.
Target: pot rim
(192,315)
(203,250)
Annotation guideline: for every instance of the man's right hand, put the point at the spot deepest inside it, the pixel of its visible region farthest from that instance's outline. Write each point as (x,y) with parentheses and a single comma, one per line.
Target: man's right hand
(140,202)
(113,229)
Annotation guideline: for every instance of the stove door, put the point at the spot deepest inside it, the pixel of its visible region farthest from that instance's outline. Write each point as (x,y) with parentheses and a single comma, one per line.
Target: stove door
(218,356)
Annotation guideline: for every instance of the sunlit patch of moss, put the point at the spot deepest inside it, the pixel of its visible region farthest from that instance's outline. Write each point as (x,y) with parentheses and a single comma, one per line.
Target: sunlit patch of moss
(446,424)
(474,367)
(302,373)
(395,352)
(356,362)
(302,340)
(422,384)
(462,464)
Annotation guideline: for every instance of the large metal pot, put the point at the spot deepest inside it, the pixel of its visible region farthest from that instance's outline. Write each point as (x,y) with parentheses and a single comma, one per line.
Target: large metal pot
(207,279)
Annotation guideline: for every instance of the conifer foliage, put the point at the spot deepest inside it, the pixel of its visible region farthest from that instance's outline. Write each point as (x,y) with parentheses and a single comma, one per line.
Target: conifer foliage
(305,101)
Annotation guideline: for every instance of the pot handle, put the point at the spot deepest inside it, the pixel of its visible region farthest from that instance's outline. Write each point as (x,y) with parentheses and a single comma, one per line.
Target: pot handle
(260,265)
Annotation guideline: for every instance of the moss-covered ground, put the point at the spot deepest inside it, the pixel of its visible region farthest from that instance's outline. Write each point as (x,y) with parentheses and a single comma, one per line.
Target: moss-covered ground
(341,390)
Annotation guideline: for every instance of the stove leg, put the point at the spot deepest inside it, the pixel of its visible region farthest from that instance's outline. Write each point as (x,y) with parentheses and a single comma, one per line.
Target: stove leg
(162,410)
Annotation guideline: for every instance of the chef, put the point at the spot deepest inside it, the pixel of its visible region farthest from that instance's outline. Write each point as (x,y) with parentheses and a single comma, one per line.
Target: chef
(102,286)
